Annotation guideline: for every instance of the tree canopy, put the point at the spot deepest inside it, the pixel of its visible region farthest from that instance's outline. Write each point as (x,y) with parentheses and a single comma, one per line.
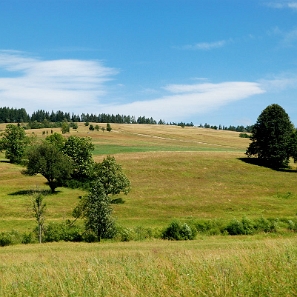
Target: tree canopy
(49,161)
(80,149)
(272,137)
(110,174)
(97,212)
(14,142)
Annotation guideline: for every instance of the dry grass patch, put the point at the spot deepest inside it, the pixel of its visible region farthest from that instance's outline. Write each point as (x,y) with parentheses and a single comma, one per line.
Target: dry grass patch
(213,267)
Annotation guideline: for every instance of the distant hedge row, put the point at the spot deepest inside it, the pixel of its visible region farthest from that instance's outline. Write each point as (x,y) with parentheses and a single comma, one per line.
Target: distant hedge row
(55,232)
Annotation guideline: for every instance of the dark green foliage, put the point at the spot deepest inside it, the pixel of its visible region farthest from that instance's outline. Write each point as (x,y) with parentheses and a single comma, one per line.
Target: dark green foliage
(266,225)
(14,142)
(210,227)
(117,201)
(12,115)
(62,232)
(28,238)
(108,127)
(10,238)
(248,227)
(49,161)
(244,135)
(91,128)
(111,176)
(80,149)
(243,227)
(74,125)
(97,212)
(178,231)
(65,127)
(271,137)
(57,140)
(293,145)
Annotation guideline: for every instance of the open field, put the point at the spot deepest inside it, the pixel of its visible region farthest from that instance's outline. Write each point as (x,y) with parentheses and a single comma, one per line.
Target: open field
(188,174)
(213,266)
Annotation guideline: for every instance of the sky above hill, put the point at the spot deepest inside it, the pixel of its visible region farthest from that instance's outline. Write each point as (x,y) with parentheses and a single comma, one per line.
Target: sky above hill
(215,61)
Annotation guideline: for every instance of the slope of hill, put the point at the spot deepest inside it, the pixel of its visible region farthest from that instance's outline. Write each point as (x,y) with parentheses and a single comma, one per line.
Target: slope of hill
(185,173)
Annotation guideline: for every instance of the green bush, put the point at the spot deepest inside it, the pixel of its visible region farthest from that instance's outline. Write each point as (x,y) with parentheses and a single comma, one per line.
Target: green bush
(29,238)
(210,227)
(243,227)
(124,234)
(62,232)
(266,225)
(178,231)
(10,238)
(244,135)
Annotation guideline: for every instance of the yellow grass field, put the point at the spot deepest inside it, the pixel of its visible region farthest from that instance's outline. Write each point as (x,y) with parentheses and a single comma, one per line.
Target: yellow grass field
(184,173)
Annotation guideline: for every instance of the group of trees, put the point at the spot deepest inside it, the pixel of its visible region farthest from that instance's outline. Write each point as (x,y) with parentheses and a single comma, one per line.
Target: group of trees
(230,128)
(13,115)
(69,162)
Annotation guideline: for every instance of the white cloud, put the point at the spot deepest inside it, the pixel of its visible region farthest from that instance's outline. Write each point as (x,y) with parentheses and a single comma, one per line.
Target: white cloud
(80,86)
(204,45)
(189,100)
(290,38)
(282,4)
(51,85)
(279,83)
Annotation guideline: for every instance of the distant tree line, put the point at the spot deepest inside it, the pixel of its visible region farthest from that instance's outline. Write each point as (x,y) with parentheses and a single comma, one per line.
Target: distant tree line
(13,115)
(230,128)
(44,119)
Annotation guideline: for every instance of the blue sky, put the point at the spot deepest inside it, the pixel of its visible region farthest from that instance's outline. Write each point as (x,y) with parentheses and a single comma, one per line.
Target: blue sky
(215,61)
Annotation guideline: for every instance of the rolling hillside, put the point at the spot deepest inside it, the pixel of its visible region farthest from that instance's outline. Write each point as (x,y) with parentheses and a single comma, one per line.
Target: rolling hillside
(185,173)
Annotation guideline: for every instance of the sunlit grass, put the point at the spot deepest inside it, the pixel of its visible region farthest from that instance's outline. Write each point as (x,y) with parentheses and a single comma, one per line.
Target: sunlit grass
(217,266)
(198,181)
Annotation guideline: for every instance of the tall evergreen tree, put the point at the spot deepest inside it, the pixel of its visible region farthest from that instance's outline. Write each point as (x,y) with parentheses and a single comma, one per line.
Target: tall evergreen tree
(271,137)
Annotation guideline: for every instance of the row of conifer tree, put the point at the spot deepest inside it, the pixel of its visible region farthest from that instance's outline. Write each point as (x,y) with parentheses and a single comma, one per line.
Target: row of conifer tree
(14,115)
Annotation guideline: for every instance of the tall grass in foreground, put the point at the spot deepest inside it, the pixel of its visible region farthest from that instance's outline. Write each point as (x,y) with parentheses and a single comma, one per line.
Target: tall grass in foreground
(213,267)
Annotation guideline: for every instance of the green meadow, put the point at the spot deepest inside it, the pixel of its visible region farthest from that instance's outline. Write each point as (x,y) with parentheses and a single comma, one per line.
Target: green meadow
(190,174)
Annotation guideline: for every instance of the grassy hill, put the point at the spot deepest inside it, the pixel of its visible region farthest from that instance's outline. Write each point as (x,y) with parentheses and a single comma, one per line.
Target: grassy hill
(188,174)
(185,173)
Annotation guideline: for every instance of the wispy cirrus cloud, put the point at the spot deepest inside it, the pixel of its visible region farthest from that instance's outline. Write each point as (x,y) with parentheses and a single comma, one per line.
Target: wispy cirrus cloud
(279,82)
(34,83)
(290,38)
(282,4)
(287,38)
(190,99)
(205,46)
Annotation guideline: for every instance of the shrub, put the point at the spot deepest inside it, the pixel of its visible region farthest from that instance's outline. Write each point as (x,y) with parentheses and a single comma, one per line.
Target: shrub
(9,238)
(244,135)
(29,238)
(266,225)
(62,232)
(124,234)
(243,227)
(210,227)
(178,231)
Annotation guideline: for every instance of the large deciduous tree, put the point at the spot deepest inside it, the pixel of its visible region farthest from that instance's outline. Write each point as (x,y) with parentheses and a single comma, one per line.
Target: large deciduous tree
(110,174)
(97,212)
(49,161)
(272,137)
(80,149)
(14,142)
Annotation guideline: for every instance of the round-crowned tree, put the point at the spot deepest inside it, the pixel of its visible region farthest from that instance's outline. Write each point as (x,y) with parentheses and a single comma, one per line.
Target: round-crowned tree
(271,137)
(14,142)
